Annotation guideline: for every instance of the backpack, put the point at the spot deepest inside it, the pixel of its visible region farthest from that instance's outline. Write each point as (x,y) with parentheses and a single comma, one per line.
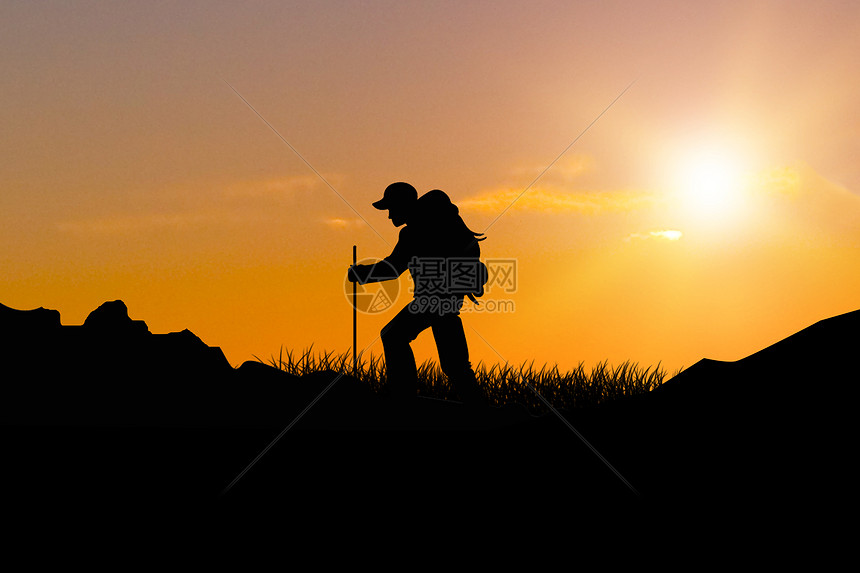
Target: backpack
(467,274)
(484,275)
(479,275)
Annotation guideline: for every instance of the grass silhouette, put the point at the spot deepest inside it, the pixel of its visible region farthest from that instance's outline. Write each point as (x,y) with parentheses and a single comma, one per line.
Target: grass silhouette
(503,383)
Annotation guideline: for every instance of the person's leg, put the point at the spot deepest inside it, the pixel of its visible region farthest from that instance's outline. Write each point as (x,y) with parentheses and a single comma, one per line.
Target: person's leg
(400,367)
(454,358)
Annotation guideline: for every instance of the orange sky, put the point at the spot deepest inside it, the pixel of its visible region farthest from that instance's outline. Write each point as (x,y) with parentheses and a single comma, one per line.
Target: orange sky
(714,209)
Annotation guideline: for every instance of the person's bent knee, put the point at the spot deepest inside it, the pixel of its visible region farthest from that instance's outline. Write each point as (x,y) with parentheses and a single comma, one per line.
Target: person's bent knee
(395,336)
(388,336)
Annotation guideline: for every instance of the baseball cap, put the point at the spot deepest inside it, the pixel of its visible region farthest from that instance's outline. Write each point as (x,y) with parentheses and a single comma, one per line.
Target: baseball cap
(395,195)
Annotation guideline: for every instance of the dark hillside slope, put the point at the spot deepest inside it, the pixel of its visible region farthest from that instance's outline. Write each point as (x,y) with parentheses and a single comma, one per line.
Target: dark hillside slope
(109,412)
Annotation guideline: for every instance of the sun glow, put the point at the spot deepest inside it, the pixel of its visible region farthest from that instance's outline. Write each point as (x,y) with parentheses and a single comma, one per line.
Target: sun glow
(710,185)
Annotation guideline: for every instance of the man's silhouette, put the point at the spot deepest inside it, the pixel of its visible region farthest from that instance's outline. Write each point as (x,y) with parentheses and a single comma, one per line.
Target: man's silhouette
(434,235)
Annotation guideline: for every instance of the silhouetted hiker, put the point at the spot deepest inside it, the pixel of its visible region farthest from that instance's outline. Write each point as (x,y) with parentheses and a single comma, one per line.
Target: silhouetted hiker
(434,246)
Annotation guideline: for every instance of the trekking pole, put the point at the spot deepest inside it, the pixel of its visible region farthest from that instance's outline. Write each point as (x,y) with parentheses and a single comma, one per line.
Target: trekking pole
(354,318)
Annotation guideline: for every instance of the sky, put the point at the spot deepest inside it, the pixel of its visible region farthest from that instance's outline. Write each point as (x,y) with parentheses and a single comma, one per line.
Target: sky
(665,181)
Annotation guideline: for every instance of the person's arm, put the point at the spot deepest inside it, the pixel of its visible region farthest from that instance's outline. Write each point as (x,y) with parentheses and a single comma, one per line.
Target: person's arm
(388,268)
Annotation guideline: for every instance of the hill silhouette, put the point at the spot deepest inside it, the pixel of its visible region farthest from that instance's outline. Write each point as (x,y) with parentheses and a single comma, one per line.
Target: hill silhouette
(108,411)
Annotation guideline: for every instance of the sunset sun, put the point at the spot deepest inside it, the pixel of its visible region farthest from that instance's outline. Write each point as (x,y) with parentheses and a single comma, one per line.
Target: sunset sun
(710,184)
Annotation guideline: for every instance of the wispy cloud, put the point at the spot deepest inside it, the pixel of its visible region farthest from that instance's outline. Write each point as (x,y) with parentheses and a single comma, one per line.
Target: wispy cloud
(563,172)
(802,204)
(557,201)
(342,223)
(560,190)
(193,205)
(667,235)
(277,187)
(780,181)
(117,224)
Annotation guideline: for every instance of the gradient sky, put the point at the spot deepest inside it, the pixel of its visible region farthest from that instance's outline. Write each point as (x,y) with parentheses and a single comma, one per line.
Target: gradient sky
(711,211)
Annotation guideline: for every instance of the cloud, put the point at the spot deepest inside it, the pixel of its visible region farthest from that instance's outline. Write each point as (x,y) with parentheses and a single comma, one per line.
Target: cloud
(556,201)
(341,223)
(562,172)
(277,187)
(780,181)
(555,192)
(802,182)
(668,235)
(806,206)
(197,204)
(118,224)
